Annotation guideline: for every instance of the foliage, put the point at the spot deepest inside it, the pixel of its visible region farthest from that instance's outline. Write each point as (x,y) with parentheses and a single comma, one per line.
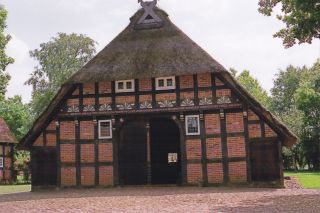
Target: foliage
(253,86)
(301,18)
(57,60)
(308,180)
(296,101)
(16,115)
(4,59)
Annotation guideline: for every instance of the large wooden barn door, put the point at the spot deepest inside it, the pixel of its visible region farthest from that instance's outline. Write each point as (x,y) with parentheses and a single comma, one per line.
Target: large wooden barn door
(44,167)
(165,152)
(264,161)
(133,153)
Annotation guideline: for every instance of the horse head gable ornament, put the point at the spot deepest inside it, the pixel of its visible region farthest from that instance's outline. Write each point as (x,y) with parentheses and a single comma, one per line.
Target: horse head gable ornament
(149,15)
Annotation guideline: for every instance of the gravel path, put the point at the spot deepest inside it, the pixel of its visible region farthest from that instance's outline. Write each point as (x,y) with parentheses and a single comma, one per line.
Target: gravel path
(164,199)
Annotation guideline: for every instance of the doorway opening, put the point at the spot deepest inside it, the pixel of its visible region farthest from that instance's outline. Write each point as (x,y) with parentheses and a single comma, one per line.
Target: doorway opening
(165,151)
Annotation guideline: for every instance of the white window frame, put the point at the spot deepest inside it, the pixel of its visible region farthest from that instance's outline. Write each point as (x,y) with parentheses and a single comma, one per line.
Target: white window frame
(165,79)
(186,123)
(1,162)
(99,129)
(125,89)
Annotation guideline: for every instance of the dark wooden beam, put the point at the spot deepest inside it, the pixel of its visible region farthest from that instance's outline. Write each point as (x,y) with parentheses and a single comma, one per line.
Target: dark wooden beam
(224,146)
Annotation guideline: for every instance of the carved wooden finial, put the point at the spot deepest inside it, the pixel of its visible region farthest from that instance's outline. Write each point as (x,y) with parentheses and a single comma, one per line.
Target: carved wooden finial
(149,15)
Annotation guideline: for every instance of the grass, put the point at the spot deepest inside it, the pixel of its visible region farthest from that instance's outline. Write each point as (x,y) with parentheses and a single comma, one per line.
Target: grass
(11,189)
(308,180)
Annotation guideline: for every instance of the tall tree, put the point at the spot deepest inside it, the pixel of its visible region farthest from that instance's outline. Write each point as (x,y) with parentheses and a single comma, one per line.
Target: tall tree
(4,59)
(57,59)
(253,86)
(301,18)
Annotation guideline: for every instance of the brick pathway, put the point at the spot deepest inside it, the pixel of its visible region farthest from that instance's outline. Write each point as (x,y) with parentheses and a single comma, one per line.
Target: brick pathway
(164,199)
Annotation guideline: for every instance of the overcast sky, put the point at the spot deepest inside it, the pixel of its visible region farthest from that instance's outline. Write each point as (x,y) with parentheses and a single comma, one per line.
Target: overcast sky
(232,31)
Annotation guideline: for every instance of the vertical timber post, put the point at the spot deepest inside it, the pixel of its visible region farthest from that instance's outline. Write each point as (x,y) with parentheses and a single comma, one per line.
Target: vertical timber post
(149,177)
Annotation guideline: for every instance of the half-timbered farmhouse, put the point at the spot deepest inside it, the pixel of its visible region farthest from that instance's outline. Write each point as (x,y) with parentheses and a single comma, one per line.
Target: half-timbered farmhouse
(154,108)
(7,143)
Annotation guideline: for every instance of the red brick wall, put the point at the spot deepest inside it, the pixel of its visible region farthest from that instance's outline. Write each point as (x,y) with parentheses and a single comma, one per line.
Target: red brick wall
(205,94)
(186,81)
(204,80)
(143,98)
(87,176)
(125,99)
(104,87)
(68,176)
(223,92)
(51,139)
(234,122)
(52,125)
(252,116)
(89,101)
(67,130)
(212,123)
(67,153)
(269,131)
(214,149)
(105,100)
(106,176)
(89,88)
(236,147)
(254,130)
(105,152)
(145,84)
(194,173)
(238,172)
(187,95)
(193,149)
(166,96)
(39,141)
(73,102)
(87,153)
(86,130)
(215,173)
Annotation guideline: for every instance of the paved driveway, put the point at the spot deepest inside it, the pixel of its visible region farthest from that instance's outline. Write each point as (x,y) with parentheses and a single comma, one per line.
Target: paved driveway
(164,199)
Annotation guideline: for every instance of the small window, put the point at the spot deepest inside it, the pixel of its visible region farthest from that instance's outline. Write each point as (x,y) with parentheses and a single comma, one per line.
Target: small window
(1,162)
(125,86)
(193,125)
(105,129)
(165,83)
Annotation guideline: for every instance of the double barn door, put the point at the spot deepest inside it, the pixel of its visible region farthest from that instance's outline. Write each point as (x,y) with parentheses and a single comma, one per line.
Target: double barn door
(149,152)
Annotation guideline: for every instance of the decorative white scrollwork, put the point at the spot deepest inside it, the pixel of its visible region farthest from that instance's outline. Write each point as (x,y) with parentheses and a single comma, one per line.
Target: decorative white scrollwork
(105,107)
(73,109)
(89,108)
(125,106)
(166,104)
(205,101)
(224,100)
(145,105)
(187,102)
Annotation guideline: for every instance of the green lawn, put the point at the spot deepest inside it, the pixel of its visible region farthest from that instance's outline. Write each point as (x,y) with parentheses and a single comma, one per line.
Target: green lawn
(308,180)
(11,189)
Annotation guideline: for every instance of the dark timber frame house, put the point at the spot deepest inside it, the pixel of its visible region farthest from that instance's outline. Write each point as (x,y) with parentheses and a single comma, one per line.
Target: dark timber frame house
(7,143)
(154,108)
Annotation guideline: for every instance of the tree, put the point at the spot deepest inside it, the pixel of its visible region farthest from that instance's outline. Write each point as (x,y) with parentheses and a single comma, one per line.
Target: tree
(58,59)
(308,101)
(301,18)
(4,59)
(253,86)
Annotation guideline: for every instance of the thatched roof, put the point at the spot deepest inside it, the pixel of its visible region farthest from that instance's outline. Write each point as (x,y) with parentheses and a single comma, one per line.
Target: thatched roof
(136,53)
(145,53)
(6,135)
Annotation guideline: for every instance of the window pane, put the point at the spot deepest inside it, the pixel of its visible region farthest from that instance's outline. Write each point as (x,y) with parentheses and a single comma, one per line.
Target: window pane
(193,125)
(161,83)
(105,129)
(129,85)
(120,85)
(169,82)
(1,162)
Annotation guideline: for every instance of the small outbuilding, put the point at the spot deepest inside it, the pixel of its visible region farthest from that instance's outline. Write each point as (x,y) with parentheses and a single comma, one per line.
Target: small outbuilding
(7,143)
(154,108)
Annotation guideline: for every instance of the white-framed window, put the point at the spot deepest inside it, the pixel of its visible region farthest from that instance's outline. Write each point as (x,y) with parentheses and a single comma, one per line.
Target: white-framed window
(105,129)
(125,86)
(166,83)
(193,125)
(1,162)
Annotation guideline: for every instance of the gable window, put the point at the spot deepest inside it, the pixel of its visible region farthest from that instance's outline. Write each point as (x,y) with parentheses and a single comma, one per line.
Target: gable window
(1,162)
(192,125)
(125,86)
(105,129)
(165,83)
